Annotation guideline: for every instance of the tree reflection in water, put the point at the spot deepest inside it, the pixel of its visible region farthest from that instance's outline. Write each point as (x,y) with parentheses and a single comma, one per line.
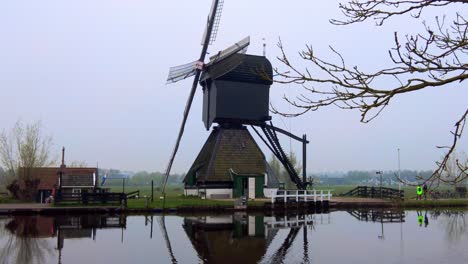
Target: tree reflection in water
(454,223)
(25,241)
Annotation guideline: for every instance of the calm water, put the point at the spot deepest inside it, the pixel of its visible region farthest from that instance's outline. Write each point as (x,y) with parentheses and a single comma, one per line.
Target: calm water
(339,237)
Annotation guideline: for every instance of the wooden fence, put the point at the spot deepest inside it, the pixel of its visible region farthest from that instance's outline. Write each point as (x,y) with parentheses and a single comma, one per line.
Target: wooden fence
(92,198)
(376,192)
(384,216)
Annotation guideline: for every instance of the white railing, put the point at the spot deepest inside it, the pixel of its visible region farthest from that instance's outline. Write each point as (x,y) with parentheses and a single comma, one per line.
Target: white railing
(288,222)
(297,221)
(301,195)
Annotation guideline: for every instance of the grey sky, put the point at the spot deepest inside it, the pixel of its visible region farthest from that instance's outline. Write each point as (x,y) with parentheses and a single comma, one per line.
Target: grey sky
(94,72)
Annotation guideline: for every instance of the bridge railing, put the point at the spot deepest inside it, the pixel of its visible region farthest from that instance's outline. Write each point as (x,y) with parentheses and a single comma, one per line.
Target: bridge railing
(301,196)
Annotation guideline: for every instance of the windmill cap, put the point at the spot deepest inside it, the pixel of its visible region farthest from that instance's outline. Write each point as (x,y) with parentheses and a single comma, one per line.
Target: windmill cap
(240,68)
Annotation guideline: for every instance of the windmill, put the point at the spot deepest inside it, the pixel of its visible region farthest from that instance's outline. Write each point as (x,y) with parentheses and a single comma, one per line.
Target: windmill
(235,94)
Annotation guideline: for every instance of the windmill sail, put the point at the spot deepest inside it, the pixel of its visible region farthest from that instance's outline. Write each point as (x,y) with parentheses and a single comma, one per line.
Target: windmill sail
(181,72)
(217,19)
(228,59)
(239,47)
(208,37)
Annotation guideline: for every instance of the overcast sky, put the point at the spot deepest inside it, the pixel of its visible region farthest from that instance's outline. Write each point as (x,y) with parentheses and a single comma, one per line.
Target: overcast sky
(94,72)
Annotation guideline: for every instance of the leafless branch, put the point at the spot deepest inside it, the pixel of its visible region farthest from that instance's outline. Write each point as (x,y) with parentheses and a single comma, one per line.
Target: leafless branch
(432,59)
(380,10)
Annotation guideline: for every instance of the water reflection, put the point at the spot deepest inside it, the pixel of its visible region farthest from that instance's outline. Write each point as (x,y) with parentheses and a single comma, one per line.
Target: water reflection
(24,243)
(454,223)
(232,238)
(28,235)
(227,238)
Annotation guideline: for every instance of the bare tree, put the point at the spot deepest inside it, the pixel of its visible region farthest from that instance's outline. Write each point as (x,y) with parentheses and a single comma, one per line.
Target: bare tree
(24,147)
(453,171)
(435,58)
(275,165)
(78,164)
(281,173)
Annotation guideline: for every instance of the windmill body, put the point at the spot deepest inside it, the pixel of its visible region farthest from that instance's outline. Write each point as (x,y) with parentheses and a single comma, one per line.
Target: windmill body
(240,96)
(231,164)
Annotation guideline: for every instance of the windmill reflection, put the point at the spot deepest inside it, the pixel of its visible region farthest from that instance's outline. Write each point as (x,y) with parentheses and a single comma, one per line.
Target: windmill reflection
(237,238)
(244,238)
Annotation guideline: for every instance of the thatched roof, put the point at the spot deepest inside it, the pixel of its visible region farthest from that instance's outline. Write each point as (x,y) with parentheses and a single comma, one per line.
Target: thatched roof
(226,150)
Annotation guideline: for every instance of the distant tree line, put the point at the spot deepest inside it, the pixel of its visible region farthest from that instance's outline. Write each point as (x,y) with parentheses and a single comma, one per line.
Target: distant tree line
(366,177)
(140,178)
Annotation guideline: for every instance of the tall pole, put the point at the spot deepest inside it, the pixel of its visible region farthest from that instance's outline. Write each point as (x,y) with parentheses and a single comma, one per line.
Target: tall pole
(152,191)
(304,160)
(399,171)
(381,184)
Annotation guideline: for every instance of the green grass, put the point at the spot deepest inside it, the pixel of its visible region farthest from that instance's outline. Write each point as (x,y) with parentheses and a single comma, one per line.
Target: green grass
(5,200)
(146,190)
(177,202)
(176,199)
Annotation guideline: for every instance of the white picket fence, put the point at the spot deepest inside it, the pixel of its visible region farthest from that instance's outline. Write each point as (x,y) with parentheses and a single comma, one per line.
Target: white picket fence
(301,196)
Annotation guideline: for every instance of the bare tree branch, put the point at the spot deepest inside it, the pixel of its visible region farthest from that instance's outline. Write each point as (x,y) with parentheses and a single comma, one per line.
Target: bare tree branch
(432,59)
(380,10)
(24,146)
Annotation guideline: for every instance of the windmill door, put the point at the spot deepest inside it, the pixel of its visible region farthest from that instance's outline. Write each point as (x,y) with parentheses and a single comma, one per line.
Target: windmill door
(251,188)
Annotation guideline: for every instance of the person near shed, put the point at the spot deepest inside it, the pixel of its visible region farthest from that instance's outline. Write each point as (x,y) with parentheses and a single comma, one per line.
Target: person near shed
(51,198)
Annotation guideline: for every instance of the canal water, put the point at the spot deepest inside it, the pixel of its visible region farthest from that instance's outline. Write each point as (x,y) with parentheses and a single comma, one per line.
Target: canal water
(358,236)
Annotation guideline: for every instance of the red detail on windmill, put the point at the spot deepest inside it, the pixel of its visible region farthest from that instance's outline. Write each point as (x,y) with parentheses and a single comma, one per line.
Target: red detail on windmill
(199,65)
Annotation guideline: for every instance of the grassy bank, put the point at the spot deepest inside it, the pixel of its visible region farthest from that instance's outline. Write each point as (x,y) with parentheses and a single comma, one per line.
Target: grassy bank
(340,190)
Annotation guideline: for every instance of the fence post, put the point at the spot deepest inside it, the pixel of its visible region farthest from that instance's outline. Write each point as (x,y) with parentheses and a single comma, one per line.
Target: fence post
(321,195)
(152,191)
(315,196)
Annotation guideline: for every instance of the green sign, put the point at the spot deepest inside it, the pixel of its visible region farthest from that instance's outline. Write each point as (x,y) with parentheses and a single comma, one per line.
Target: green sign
(420,219)
(419,190)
